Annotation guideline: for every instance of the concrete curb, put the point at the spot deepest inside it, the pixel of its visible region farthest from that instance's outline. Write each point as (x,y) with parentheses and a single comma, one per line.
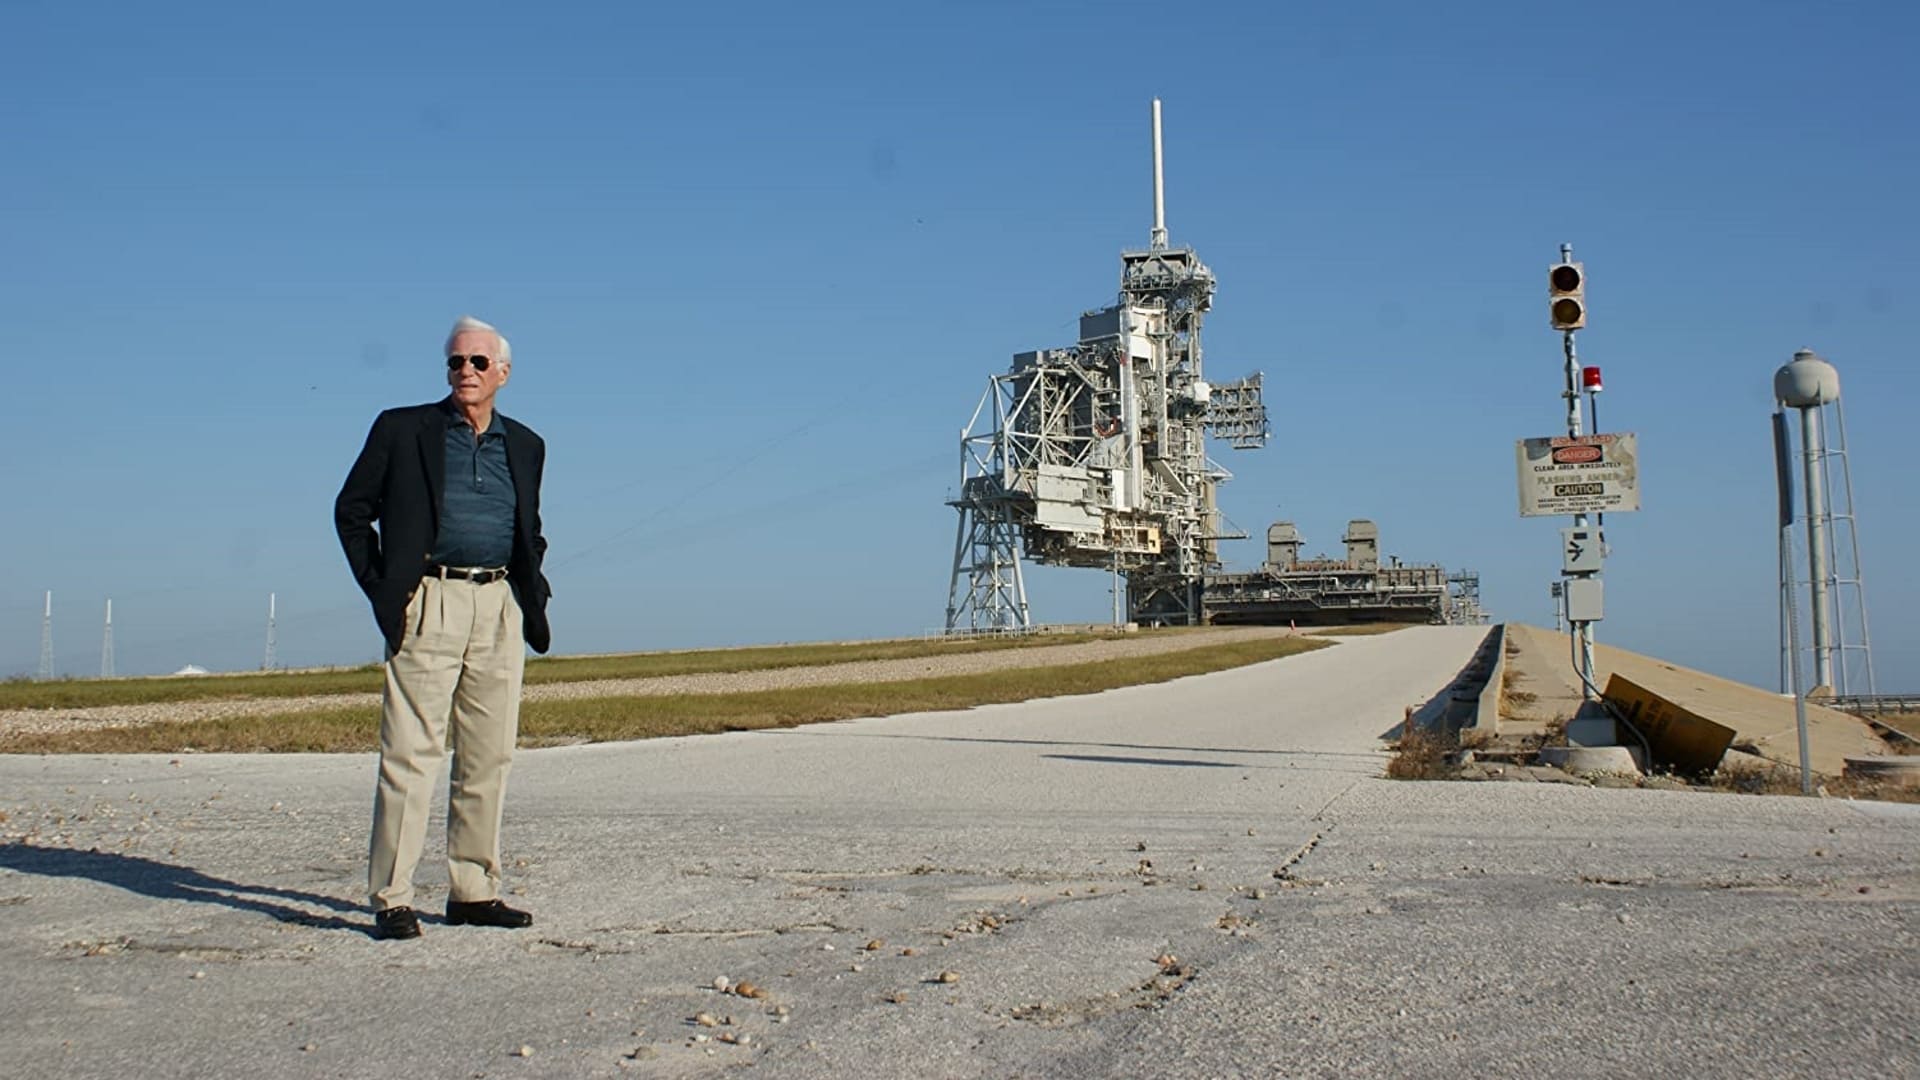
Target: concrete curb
(1486,716)
(1901,771)
(1590,760)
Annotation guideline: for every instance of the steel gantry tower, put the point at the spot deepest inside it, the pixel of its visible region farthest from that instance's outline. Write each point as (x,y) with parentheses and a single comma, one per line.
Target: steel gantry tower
(1094,455)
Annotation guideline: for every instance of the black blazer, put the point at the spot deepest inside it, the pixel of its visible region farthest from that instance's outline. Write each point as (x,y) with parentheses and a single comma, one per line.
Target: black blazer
(397,481)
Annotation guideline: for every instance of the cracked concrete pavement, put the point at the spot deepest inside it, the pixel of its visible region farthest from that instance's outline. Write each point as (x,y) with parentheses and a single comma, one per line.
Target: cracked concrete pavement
(1205,877)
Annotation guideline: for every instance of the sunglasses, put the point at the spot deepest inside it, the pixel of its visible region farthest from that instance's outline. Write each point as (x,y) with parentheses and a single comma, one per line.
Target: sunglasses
(480,363)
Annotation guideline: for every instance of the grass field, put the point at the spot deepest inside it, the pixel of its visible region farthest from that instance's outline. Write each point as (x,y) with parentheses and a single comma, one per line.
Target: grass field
(85,693)
(623,718)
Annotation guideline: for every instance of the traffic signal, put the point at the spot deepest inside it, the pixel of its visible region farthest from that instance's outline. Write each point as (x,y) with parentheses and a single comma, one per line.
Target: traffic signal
(1567,295)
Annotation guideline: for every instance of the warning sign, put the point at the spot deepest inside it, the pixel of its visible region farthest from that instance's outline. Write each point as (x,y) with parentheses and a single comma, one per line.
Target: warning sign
(1578,474)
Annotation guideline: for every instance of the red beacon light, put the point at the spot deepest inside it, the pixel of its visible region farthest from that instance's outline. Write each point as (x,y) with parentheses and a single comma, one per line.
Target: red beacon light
(1590,380)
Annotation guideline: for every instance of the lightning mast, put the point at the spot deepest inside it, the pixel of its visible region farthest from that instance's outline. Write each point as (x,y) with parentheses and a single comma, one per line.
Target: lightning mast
(273,637)
(106,644)
(46,640)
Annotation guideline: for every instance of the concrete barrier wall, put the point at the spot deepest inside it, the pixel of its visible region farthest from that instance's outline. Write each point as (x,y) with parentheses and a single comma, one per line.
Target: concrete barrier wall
(1486,718)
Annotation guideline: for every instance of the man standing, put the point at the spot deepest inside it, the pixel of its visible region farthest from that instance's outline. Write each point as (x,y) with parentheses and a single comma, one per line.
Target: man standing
(453,572)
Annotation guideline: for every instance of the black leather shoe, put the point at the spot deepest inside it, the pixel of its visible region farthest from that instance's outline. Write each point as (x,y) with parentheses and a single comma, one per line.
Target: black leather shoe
(485,913)
(396,923)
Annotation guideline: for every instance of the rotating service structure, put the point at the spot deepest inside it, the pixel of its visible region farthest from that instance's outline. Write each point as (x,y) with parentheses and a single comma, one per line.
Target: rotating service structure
(1095,454)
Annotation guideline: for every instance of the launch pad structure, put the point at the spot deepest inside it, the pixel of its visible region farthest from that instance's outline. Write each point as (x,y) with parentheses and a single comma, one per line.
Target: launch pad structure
(1094,455)
(1288,589)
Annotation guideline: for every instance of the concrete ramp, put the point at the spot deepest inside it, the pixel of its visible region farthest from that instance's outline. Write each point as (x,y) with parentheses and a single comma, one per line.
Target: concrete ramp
(1761,719)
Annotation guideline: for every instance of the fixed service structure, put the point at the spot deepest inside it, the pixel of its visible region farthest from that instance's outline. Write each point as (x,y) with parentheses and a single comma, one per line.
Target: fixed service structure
(1094,455)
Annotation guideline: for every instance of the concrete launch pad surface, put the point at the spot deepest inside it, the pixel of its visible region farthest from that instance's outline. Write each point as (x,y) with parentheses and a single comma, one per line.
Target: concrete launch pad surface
(1204,877)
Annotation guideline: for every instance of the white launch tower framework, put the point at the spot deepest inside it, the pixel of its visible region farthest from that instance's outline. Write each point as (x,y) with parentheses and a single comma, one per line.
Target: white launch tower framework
(1094,455)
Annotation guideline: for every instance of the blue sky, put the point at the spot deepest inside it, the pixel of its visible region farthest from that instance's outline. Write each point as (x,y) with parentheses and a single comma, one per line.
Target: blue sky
(757,262)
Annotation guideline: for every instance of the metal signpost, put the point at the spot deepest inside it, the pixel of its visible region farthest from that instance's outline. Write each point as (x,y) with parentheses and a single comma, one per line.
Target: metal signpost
(1789,607)
(1577,473)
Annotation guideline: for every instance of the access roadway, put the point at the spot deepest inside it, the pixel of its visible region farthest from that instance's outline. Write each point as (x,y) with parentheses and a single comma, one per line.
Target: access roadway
(1207,877)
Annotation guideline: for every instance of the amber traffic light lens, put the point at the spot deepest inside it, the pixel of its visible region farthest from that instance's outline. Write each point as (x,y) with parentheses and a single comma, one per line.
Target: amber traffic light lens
(1565,279)
(1566,311)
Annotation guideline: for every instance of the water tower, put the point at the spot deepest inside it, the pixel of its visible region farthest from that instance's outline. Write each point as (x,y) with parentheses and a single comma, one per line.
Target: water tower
(1837,604)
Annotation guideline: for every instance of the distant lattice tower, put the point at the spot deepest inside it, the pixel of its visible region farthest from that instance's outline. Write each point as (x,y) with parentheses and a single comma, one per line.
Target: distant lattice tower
(273,637)
(106,644)
(46,640)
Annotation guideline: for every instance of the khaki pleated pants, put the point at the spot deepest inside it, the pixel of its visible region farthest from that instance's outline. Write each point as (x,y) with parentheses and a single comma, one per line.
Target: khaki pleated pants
(460,665)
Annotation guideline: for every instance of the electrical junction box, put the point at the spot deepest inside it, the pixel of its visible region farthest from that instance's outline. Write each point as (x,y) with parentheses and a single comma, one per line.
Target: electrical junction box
(1580,550)
(1583,600)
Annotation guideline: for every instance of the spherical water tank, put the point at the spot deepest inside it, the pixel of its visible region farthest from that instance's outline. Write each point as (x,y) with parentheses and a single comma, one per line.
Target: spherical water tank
(1806,382)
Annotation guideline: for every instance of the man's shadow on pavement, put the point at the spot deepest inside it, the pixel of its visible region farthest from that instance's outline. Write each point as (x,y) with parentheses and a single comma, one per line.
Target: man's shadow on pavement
(165,881)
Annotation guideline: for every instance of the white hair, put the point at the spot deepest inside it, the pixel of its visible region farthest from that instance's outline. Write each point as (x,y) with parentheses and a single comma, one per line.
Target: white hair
(466,323)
